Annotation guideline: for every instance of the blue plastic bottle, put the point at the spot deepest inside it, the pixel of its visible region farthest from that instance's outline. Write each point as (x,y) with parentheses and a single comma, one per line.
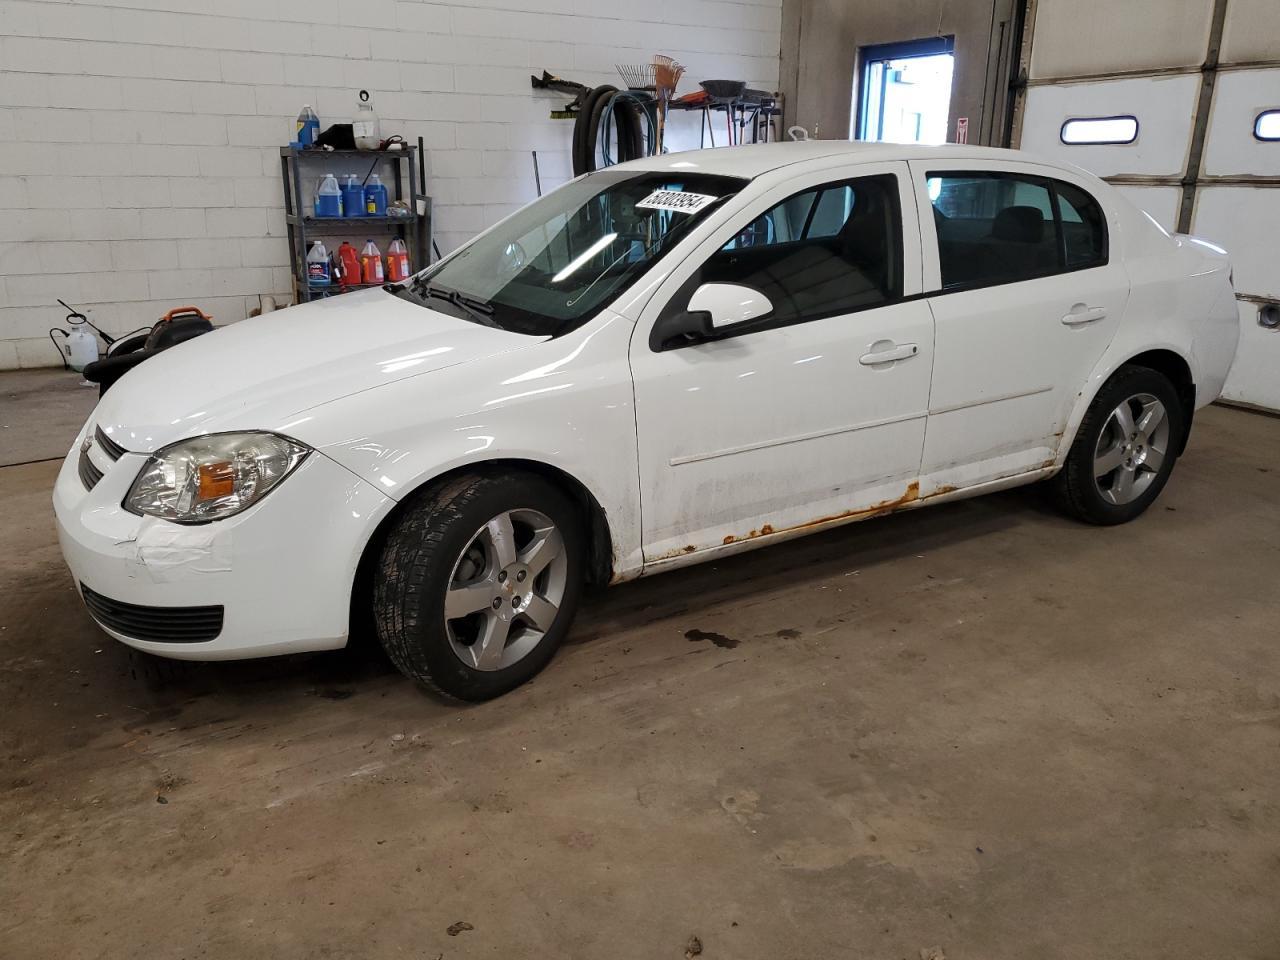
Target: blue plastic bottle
(375,197)
(308,127)
(329,197)
(352,197)
(318,271)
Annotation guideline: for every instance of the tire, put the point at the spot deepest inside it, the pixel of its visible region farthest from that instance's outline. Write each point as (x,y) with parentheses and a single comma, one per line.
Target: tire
(1111,476)
(452,541)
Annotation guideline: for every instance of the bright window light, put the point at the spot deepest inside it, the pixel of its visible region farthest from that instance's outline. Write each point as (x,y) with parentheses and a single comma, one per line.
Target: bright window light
(1083,130)
(586,255)
(1267,126)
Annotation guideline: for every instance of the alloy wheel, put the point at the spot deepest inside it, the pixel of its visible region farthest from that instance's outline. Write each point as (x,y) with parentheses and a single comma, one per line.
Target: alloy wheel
(506,589)
(1131,449)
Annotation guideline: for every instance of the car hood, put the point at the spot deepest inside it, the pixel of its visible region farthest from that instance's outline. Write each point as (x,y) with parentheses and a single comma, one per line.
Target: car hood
(261,373)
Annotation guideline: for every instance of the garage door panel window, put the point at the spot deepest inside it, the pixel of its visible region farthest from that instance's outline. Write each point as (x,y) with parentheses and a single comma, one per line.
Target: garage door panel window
(826,251)
(1267,125)
(996,228)
(1099,130)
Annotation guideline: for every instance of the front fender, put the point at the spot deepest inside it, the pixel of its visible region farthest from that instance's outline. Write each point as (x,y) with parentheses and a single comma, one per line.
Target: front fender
(565,403)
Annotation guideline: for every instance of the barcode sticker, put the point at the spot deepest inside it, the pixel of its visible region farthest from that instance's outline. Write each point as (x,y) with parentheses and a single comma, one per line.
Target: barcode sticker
(677,201)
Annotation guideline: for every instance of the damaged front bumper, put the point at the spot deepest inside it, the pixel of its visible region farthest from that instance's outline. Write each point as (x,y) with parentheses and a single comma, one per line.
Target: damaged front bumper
(281,572)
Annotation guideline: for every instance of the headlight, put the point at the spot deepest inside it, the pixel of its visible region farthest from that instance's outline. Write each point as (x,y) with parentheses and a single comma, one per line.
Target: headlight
(208,478)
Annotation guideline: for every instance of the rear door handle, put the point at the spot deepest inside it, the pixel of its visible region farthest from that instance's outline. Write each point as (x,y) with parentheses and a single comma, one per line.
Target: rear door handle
(1081,314)
(902,351)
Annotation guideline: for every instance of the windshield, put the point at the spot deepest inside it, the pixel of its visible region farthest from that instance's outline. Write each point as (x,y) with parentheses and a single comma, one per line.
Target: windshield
(551,266)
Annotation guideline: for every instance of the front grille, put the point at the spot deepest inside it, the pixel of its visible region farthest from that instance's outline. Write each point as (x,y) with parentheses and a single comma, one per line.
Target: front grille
(157,624)
(89,474)
(109,446)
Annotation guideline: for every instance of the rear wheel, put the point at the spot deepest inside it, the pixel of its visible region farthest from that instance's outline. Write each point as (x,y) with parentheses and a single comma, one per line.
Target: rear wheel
(1124,450)
(479,583)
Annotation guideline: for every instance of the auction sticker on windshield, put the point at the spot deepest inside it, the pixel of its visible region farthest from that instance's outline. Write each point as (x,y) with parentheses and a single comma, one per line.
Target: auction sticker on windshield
(676,201)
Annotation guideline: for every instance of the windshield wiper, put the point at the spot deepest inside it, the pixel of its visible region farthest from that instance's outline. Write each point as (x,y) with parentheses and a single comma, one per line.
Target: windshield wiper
(479,310)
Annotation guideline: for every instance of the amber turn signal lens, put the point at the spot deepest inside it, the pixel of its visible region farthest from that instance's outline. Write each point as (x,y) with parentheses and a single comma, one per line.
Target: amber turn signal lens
(217,480)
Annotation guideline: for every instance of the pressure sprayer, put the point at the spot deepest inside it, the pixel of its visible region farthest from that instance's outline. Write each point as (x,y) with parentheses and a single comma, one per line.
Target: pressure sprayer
(81,345)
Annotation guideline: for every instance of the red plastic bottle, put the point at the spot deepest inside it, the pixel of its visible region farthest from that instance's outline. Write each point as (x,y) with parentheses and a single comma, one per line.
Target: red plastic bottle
(371,264)
(350,261)
(397,261)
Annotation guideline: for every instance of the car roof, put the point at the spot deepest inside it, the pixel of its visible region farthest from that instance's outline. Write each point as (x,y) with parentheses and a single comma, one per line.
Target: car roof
(753,159)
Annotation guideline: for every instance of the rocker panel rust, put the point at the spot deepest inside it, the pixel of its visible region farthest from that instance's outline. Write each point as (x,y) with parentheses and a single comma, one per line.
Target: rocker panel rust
(911,495)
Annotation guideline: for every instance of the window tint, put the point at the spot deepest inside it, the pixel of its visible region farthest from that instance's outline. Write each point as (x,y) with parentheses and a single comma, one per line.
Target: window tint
(1001,227)
(819,253)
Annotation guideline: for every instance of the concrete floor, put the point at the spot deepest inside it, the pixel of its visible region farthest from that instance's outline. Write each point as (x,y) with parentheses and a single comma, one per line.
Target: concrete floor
(40,412)
(979,728)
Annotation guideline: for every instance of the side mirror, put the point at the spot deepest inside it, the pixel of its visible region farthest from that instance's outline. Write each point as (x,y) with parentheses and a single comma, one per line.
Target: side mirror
(729,304)
(714,309)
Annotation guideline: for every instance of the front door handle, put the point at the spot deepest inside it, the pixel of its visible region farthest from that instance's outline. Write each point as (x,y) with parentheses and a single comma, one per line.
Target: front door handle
(899,351)
(1081,314)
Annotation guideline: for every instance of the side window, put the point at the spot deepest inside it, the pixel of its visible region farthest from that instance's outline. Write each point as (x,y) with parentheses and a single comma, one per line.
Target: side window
(821,252)
(992,228)
(1002,227)
(1084,229)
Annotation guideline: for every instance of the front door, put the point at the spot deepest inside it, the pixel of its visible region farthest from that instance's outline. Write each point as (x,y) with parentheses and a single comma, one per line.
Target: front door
(1027,297)
(817,410)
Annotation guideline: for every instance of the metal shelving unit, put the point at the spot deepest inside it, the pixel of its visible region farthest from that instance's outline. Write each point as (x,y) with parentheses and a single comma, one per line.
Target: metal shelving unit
(302,169)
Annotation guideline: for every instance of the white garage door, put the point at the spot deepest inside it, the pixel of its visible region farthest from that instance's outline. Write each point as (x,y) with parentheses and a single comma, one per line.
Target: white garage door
(1176,102)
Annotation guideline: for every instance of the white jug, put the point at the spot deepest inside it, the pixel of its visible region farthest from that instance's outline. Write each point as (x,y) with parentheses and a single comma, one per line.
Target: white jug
(83,346)
(365,127)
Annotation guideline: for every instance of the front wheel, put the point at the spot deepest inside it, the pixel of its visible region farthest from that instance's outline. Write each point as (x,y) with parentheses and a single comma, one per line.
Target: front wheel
(480,580)
(1124,450)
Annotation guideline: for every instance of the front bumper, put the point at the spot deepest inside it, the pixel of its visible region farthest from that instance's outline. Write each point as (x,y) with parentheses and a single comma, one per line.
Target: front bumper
(282,571)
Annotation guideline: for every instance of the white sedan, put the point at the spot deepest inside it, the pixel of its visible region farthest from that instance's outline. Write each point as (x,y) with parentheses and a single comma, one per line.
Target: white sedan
(658,364)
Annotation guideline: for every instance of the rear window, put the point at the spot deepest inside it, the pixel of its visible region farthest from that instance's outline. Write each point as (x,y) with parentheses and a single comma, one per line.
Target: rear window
(998,228)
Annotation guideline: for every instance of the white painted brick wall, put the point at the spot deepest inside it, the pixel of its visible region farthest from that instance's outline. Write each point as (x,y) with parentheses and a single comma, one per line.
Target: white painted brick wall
(139,166)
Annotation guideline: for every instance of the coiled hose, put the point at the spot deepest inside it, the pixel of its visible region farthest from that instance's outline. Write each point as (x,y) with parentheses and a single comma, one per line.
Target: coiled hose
(606,107)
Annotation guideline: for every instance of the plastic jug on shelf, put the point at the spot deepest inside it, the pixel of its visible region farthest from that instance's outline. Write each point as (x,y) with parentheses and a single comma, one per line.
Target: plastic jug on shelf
(352,197)
(308,127)
(350,262)
(318,272)
(371,264)
(364,126)
(329,197)
(375,197)
(397,261)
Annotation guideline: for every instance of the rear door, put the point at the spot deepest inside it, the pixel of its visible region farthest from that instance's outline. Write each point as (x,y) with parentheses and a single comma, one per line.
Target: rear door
(1026,296)
(817,411)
